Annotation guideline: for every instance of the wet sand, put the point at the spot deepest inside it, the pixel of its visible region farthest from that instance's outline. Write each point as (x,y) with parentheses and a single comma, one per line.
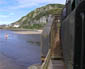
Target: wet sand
(29,32)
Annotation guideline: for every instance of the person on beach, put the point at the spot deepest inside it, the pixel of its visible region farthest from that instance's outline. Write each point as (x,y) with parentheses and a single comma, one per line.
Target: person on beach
(6,36)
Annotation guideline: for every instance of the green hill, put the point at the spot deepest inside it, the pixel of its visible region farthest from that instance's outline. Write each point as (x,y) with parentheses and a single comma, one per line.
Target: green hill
(39,17)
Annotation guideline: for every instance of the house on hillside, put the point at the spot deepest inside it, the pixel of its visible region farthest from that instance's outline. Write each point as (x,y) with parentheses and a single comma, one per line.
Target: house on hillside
(16,25)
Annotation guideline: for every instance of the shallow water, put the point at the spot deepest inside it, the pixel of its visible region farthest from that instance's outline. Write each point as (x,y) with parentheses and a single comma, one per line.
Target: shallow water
(16,52)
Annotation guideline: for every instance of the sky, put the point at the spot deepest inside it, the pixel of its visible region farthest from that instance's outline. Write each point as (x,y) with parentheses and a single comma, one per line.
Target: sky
(13,10)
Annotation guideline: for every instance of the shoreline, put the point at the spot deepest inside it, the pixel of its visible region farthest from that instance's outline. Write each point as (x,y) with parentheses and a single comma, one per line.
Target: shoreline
(28,32)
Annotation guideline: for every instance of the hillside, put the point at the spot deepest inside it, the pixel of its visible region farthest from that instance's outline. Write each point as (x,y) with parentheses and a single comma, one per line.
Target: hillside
(39,17)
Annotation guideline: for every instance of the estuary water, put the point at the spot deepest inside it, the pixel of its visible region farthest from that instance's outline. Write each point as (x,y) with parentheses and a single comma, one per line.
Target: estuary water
(17,52)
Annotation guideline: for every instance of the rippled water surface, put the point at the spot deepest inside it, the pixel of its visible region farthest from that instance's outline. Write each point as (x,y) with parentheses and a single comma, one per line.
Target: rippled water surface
(16,52)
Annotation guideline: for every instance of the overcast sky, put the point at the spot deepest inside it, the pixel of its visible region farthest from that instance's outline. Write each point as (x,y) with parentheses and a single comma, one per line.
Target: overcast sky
(12,10)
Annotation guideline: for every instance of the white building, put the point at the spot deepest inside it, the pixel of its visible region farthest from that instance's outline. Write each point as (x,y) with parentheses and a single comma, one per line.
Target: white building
(16,26)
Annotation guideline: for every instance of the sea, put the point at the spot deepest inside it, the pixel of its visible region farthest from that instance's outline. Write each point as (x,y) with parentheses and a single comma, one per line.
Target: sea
(17,51)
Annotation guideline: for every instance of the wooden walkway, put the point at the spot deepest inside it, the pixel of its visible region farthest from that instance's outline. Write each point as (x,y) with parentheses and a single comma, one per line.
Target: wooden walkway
(56,64)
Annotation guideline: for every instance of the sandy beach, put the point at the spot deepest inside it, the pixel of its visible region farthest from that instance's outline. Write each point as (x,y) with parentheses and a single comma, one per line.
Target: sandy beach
(29,32)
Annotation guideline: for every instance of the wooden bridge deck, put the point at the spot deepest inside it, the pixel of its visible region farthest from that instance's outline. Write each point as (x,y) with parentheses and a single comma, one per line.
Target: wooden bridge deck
(56,64)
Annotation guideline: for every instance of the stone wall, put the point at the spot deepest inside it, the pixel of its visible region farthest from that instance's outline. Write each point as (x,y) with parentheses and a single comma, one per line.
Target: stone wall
(50,38)
(55,38)
(45,38)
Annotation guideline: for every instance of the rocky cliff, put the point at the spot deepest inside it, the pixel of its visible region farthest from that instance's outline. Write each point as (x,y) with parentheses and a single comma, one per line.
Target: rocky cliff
(39,17)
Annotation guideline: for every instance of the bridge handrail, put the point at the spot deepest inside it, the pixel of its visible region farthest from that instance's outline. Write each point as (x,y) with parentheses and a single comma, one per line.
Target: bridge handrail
(47,59)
